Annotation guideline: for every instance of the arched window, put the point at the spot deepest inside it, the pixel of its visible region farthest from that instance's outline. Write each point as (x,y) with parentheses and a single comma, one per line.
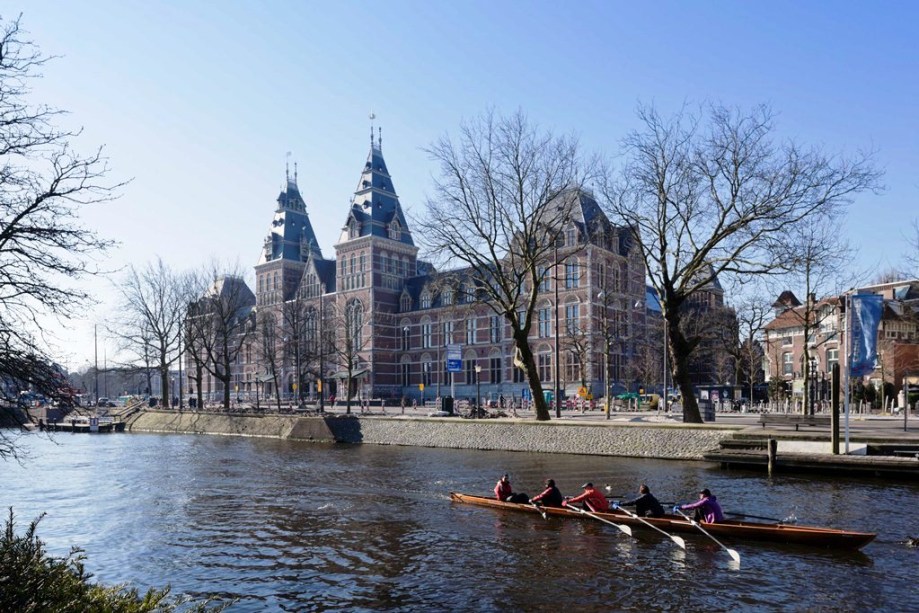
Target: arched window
(310,332)
(426,300)
(354,325)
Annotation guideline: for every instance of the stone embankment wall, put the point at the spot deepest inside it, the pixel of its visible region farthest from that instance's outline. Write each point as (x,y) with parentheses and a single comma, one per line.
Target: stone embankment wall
(671,441)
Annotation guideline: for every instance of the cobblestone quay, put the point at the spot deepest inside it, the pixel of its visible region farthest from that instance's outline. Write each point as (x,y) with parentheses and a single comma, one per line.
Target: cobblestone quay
(646,440)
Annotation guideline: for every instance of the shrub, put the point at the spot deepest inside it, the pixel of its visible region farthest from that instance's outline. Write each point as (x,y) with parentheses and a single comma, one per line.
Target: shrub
(33,581)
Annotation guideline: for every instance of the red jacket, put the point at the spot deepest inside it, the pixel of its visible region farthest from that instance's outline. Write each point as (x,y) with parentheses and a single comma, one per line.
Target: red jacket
(503,490)
(594,499)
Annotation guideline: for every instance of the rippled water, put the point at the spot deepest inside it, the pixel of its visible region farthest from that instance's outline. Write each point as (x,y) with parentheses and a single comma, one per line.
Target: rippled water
(287,526)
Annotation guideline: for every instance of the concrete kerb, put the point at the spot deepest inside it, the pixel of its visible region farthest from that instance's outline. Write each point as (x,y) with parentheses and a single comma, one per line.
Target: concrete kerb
(628,439)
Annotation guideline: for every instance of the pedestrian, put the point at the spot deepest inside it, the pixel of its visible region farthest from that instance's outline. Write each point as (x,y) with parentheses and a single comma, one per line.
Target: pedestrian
(593,499)
(705,509)
(646,505)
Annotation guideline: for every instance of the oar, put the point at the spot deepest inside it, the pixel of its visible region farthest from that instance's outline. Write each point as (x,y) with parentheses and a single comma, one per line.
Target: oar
(538,508)
(734,555)
(622,527)
(772,519)
(676,539)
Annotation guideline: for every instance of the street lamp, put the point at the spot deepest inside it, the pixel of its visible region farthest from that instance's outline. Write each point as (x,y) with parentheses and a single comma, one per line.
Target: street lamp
(606,340)
(478,401)
(321,350)
(558,389)
(812,387)
(406,345)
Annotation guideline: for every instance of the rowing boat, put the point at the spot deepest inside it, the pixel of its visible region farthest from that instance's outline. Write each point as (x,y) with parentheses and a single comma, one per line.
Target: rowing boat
(735,530)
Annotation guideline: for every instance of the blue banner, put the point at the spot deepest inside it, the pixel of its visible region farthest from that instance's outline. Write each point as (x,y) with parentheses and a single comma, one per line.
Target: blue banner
(866,318)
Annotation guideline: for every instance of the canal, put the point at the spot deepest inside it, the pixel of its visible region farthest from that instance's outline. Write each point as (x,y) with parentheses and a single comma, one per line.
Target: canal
(290,526)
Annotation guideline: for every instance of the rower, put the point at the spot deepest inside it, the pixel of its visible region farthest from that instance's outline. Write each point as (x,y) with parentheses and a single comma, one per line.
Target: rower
(593,499)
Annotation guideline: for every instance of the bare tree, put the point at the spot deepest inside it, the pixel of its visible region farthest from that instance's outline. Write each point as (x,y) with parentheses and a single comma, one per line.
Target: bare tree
(713,195)
(300,322)
(501,205)
(152,314)
(44,184)
(195,330)
(912,254)
(222,320)
(270,349)
(348,335)
(816,257)
(751,315)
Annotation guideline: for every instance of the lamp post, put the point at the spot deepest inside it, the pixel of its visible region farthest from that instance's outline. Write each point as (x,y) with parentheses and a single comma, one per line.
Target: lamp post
(406,345)
(664,393)
(606,341)
(478,401)
(812,387)
(558,390)
(321,349)
(180,371)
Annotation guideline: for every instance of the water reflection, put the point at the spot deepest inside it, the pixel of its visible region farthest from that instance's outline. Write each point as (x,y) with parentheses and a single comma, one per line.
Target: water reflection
(300,527)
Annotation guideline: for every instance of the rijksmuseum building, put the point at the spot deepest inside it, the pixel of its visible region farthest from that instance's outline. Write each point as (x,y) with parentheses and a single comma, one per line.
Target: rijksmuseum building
(389,318)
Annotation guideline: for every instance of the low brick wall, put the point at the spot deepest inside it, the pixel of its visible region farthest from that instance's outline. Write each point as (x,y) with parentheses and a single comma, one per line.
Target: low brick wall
(669,441)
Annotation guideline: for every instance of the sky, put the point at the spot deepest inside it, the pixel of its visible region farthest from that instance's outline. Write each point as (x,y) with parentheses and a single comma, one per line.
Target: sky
(197,103)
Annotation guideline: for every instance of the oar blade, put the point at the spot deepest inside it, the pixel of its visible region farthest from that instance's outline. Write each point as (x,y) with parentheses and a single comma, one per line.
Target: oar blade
(679,541)
(734,555)
(624,528)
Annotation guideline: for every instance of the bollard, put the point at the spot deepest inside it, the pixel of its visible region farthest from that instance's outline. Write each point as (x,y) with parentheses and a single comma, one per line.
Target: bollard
(771,451)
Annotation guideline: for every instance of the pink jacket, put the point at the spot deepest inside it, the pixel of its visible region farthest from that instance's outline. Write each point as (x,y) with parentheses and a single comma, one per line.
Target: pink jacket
(710,509)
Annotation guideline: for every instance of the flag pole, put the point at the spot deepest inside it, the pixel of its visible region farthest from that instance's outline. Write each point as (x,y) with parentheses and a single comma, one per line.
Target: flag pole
(847,331)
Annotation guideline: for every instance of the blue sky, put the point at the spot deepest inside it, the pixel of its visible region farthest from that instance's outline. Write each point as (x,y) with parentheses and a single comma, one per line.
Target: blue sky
(198,102)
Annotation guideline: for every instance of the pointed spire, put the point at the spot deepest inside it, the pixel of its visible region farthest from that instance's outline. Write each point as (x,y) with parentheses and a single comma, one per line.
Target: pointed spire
(380,133)
(295,173)
(287,167)
(372,117)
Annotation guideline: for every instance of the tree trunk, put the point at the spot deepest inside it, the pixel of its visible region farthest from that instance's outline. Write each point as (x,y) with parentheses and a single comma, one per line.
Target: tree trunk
(680,350)
(539,400)
(199,382)
(164,385)
(348,393)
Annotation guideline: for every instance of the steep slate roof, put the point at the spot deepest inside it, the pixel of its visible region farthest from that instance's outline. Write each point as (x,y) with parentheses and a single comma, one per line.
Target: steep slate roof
(325,270)
(375,204)
(290,228)
(235,291)
(786,299)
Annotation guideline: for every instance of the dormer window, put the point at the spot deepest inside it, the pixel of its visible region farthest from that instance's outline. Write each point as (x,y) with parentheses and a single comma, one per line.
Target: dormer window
(571,237)
(395,232)
(354,229)
(426,300)
(406,303)
(446,297)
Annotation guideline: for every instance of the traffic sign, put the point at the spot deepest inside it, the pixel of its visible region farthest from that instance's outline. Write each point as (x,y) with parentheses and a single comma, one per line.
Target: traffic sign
(454,358)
